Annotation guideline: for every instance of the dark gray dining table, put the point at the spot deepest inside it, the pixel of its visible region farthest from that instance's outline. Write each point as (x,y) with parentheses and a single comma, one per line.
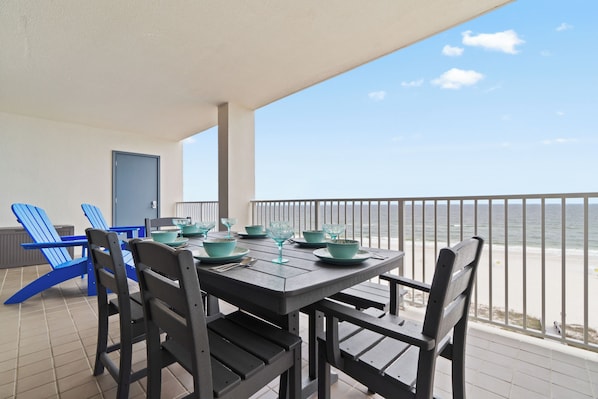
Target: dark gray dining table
(278,292)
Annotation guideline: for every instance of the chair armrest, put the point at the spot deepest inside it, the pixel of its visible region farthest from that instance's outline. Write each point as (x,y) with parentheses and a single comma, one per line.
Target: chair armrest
(73,238)
(131,231)
(126,228)
(57,244)
(345,313)
(407,282)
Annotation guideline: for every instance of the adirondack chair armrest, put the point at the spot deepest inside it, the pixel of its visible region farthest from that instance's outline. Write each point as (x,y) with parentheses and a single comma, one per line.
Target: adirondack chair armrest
(73,238)
(131,231)
(407,282)
(362,319)
(58,244)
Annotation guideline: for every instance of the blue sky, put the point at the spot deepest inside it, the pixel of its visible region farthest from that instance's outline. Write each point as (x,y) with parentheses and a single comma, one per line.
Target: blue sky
(504,104)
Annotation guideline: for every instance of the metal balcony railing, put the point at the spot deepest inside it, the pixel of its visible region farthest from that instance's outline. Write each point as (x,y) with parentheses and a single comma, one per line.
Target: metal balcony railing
(539,271)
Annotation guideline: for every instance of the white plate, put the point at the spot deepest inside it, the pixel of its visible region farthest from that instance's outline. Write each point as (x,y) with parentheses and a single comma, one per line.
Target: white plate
(237,253)
(302,243)
(178,242)
(325,256)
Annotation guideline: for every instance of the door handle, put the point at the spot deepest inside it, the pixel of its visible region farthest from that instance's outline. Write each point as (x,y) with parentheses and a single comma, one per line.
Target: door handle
(154,204)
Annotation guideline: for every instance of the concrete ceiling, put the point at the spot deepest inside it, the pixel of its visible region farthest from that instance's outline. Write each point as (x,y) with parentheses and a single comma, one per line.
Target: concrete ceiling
(161,68)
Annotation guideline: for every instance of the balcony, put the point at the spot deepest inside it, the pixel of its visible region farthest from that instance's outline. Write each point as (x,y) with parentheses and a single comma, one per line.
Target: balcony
(533,330)
(539,271)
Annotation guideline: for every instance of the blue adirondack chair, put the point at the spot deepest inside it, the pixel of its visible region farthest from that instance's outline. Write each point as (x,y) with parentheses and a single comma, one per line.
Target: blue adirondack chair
(96,218)
(53,246)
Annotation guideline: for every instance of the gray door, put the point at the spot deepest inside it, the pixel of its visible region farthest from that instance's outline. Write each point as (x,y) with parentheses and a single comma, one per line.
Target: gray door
(136,188)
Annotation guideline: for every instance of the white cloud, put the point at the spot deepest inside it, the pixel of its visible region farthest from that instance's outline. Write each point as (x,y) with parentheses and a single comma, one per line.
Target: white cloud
(499,41)
(545,53)
(563,26)
(560,113)
(413,83)
(452,51)
(377,95)
(456,78)
(493,88)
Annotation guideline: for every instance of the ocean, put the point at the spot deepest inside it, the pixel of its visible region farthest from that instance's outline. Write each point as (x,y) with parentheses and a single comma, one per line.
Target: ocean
(500,224)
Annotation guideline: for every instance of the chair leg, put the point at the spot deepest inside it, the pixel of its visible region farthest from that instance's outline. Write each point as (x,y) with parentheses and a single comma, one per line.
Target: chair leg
(290,381)
(295,375)
(458,373)
(425,375)
(316,325)
(102,343)
(154,363)
(50,279)
(124,370)
(324,379)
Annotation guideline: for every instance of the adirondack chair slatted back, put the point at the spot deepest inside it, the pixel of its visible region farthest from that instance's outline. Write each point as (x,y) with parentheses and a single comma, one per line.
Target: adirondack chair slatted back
(38,225)
(95,216)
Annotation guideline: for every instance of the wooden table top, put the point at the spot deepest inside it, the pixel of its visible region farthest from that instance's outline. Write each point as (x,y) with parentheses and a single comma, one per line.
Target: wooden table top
(282,289)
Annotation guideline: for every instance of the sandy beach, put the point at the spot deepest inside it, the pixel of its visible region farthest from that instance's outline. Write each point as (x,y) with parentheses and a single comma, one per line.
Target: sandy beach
(515,276)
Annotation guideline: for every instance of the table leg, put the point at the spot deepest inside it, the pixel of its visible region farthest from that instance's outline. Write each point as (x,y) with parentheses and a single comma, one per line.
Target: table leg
(212,306)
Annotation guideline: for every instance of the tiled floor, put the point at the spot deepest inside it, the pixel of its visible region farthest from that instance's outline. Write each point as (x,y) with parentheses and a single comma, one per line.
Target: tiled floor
(47,347)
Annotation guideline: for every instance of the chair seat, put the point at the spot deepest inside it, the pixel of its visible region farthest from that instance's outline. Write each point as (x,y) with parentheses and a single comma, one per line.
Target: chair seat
(393,359)
(240,346)
(367,295)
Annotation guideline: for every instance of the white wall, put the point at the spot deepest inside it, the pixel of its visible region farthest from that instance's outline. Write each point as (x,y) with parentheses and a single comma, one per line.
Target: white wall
(57,166)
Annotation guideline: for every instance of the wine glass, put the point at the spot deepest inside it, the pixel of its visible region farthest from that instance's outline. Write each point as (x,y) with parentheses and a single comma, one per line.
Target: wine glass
(333,230)
(280,232)
(228,222)
(204,227)
(181,222)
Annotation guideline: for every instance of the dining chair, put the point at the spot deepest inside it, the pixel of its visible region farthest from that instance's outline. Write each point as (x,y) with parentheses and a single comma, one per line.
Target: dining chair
(111,277)
(228,356)
(395,357)
(158,223)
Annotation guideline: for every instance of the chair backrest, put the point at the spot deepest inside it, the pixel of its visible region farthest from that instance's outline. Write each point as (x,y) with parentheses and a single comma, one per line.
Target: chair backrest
(95,216)
(109,268)
(38,225)
(450,292)
(107,258)
(156,224)
(172,303)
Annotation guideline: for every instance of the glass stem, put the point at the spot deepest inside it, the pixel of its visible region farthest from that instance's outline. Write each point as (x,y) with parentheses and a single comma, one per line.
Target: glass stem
(280,251)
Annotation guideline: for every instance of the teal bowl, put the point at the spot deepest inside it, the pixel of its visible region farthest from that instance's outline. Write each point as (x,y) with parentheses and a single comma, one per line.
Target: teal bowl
(191,229)
(314,236)
(165,236)
(255,229)
(343,249)
(218,247)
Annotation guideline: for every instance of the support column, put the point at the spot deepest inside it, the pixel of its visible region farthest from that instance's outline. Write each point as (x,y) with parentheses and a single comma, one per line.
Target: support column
(236,163)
